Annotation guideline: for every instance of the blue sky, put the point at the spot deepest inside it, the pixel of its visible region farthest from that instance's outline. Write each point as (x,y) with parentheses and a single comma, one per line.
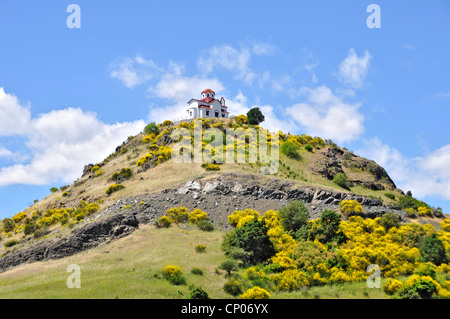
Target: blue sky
(68,97)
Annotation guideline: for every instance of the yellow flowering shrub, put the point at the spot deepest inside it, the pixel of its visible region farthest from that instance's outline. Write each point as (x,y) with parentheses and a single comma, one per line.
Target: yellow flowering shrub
(177,214)
(173,274)
(255,293)
(290,279)
(253,273)
(350,207)
(284,261)
(445,225)
(19,217)
(240,217)
(367,245)
(197,215)
(149,138)
(392,285)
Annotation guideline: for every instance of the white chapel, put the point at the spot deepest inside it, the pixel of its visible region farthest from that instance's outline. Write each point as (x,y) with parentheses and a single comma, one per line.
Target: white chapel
(207,107)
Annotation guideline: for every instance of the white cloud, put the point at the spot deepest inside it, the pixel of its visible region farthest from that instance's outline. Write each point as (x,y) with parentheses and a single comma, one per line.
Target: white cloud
(133,71)
(4,152)
(326,115)
(353,69)
(263,48)
(14,117)
(428,175)
(61,142)
(229,58)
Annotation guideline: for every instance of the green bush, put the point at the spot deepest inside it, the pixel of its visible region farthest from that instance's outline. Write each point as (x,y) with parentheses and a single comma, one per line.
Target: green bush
(341,180)
(205,225)
(422,289)
(8,225)
(427,269)
(163,222)
(11,243)
(326,231)
(29,228)
(290,150)
(433,250)
(309,148)
(198,293)
(255,116)
(200,248)
(211,167)
(123,174)
(389,220)
(250,241)
(53,189)
(294,216)
(152,128)
(390,196)
(229,266)
(197,271)
(233,287)
(173,274)
(114,188)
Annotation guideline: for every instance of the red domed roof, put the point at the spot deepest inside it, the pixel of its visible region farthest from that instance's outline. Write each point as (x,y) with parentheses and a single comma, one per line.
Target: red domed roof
(208,91)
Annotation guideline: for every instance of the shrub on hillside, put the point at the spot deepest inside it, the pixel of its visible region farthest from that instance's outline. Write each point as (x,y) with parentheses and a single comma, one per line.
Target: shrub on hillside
(163,222)
(389,220)
(177,214)
(197,271)
(255,116)
(29,228)
(341,180)
(123,174)
(11,243)
(433,250)
(8,225)
(200,248)
(252,240)
(211,167)
(309,148)
(290,150)
(205,225)
(152,128)
(173,274)
(390,196)
(233,287)
(114,188)
(229,266)
(197,215)
(255,293)
(198,293)
(294,216)
(392,285)
(350,207)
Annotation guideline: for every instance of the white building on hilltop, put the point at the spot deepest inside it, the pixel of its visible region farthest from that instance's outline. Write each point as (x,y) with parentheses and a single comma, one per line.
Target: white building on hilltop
(207,107)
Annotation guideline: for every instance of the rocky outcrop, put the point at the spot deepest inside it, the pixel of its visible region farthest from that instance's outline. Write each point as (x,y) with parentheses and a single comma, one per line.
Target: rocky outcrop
(88,236)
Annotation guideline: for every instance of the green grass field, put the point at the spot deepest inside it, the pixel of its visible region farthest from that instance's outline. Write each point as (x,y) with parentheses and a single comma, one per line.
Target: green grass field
(131,267)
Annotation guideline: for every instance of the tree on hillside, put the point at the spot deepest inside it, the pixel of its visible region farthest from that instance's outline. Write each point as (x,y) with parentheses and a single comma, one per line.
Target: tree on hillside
(152,128)
(255,116)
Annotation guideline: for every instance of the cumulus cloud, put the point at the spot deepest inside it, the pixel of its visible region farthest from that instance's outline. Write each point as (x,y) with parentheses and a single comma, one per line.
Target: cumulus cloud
(134,71)
(61,142)
(4,152)
(427,175)
(353,69)
(14,117)
(229,58)
(326,115)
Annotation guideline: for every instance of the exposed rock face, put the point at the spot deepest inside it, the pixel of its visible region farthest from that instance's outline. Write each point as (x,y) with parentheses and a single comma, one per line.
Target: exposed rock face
(219,197)
(86,237)
(87,169)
